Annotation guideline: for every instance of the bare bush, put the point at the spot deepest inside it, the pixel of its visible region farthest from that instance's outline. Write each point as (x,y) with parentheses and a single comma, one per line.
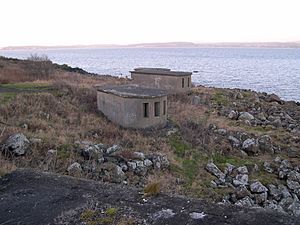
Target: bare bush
(39,66)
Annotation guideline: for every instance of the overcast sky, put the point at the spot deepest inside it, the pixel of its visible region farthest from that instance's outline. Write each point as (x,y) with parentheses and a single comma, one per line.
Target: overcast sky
(68,22)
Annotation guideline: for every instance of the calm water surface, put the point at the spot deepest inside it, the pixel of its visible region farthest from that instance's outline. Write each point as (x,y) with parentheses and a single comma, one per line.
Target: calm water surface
(266,70)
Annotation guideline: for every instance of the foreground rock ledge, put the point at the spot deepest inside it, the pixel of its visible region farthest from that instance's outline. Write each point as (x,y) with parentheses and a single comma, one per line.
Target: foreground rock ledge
(33,197)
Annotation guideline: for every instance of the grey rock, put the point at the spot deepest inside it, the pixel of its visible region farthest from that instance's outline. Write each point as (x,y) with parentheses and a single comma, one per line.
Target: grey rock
(196,100)
(242,170)
(274,192)
(213,184)
(92,152)
(113,172)
(277,159)
(294,176)
(74,168)
(274,206)
(293,153)
(267,167)
(245,202)
(284,191)
(286,202)
(148,163)
(265,144)
(286,164)
(277,123)
(35,140)
(131,166)
(213,169)
(241,180)
(222,132)
(234,141)
(124,167)
(253,168)
(250,146)
(246,116)
(197,215)
(138,155)
(241,192)
(294,208)
(172,131)
(113,149)
(282,174)
(261,116)
(260,198)
(233,115)
(229,168)
(16,144)
(257,187)
(160,161)
(293,185)
(163,214)
(238,95)
(141,169)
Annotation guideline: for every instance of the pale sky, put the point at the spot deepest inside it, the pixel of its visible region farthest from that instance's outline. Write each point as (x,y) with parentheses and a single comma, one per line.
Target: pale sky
(71,22)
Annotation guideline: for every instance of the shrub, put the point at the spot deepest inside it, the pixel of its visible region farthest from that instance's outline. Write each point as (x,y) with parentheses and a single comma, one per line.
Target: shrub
(152,189)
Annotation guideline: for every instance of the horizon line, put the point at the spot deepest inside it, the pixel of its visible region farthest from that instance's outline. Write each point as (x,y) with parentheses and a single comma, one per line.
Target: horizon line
(172,44)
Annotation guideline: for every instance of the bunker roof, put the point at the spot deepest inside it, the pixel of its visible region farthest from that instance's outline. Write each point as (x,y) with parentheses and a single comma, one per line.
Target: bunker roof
(132,91)
(160,71)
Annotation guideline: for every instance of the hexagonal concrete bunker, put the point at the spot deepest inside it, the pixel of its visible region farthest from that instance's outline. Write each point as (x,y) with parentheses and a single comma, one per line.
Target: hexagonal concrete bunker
(133,106)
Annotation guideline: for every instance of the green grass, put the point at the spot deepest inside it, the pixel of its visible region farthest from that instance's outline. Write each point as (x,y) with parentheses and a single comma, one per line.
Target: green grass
(265,178)
(179,146)
(6,97)
(190,168)
(220,99)
(64,151)
(25,86)
(221,160)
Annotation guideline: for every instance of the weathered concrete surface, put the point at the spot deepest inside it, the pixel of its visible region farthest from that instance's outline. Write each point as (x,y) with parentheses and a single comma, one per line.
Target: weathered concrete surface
(172,81)
(129,112)
(32,197)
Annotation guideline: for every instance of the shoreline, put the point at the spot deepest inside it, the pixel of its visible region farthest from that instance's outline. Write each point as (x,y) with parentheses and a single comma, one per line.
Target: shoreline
(196,84)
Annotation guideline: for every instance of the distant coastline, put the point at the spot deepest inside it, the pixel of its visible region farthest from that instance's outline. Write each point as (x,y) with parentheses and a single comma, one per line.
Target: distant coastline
(164,45)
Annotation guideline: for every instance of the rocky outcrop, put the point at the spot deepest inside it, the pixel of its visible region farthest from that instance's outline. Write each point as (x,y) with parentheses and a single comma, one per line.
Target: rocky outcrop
(250,193)
(114,164)
(28,197)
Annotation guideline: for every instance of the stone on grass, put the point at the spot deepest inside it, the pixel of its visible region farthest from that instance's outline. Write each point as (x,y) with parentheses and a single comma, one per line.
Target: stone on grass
(16,144)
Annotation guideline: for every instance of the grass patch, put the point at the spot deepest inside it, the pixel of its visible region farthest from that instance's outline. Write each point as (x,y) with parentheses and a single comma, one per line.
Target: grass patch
(25,86)
(220,99)
(179,146)
(265,178)
(221,160)
(190,168)
(92,217)
(64,151)
(6,97)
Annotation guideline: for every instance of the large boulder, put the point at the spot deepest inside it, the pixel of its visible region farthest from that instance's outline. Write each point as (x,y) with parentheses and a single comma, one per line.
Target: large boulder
(250,146)
(257,187)
(241,180)
(213,169)
(234,141)
(233,115)
(246,116)
(16,144)
(265,144)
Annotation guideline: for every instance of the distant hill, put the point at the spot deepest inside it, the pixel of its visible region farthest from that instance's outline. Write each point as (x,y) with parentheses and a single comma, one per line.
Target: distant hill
(167,45)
